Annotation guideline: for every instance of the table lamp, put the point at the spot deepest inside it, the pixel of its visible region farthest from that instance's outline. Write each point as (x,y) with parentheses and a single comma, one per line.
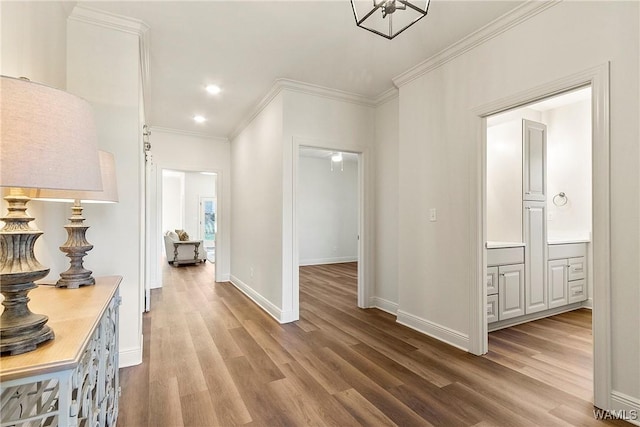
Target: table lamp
(47,140)
(77,246)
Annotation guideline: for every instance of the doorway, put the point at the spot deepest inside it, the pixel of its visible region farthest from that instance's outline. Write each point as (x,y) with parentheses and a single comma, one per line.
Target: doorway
(598,80)
(188,202)
(328,218)
(538,240)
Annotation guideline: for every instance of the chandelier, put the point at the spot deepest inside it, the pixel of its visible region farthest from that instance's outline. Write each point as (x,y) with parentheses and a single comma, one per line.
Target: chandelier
(388,18)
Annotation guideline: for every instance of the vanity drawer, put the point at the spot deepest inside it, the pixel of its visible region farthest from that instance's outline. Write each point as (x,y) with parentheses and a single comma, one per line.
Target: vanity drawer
(505,256)
(492,280)
(577,291)
(569,250)
(577,268)
(492,308)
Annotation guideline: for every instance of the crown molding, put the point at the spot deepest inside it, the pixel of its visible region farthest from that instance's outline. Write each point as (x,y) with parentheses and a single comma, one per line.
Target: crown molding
(307,88)
(89,15)
(386,96)
(257,109)
(187,133)
(144,66)
(325,92)
(484,34)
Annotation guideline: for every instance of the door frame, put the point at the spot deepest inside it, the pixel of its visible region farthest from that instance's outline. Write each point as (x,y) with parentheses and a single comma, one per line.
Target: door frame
(158,209)
(598,78)
(364,219)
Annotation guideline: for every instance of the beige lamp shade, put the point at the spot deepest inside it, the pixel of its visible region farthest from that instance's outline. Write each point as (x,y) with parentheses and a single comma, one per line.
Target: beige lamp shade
(109,192)
(47,138)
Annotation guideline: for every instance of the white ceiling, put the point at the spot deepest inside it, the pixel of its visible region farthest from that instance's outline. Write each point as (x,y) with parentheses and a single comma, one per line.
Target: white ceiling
(245,46)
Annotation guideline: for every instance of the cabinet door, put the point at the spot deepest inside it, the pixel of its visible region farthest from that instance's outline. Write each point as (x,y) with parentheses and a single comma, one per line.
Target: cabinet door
(535,238)
(492,280)
(558,283)
(510,291)
(534,158)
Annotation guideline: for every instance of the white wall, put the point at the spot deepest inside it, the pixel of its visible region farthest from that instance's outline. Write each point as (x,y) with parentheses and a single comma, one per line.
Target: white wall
(437,168)
(385,293)
(185,152)
(256,207)
(328,211)
(262,158)
(569,169)
(103,66)
(173,206)
(326,122)
(34,45)
(504,174)
(34,41)
(197,185)
(504,182)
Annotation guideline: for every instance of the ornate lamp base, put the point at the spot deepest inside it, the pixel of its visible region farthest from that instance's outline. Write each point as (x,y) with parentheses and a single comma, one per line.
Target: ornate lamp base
(20,329)
(76,247)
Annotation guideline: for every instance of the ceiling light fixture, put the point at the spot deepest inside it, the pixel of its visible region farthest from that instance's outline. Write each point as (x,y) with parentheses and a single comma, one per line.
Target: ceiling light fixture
(388,18)
(199,119)
(337,158)
(213,89)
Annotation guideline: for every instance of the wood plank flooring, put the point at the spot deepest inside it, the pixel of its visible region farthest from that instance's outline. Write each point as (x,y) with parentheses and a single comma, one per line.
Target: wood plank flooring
(213,358)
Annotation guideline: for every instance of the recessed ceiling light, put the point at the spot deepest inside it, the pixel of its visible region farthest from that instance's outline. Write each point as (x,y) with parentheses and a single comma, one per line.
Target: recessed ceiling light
(213,89)
(199,119)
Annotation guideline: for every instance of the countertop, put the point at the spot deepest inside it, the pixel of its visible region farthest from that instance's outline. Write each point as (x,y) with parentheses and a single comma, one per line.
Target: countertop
(73,315)
(568,240)
(497,245)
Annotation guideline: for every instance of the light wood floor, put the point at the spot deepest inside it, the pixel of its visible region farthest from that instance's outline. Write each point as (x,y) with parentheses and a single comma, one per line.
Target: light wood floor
(213,358)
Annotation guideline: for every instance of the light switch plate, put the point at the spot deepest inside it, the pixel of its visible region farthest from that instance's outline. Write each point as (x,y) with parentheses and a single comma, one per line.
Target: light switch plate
(433,215)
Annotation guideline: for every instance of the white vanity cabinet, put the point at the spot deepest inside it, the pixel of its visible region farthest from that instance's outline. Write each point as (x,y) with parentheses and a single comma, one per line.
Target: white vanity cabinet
(567,274)
(510,291)
(505,283)
(492,294)
(535,236)
(534,156)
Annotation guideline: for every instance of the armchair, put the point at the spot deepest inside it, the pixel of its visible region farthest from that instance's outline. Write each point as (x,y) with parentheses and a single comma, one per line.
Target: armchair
(183,251)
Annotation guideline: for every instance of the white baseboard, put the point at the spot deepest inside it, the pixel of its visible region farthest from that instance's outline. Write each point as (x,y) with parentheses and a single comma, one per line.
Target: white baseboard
(628,404)
(130,357)
(262,302)
(588,304)
(224,278)
(439,332)
(333,260)
(384,305)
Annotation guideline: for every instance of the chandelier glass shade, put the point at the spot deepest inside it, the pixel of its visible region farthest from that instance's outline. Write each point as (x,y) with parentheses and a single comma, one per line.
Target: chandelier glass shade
(388,18)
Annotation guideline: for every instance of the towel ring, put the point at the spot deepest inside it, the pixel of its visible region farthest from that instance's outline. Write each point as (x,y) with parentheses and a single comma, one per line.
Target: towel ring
(560,199)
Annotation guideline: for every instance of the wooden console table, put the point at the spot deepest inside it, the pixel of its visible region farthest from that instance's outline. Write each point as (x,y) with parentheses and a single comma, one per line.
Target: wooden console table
(73,379)
(196,251)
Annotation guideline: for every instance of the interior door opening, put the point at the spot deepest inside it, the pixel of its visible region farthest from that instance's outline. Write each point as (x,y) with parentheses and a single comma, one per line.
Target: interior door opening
(538,239)
(188,204)
(328,223)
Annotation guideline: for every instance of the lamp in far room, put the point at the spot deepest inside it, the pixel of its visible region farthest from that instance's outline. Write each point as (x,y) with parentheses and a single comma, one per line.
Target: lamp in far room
(388,18)
(47,140)
(77,246)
